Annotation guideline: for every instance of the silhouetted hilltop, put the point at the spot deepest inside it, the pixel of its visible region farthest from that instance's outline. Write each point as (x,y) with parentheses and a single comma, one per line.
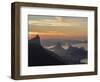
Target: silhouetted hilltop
(35,40)
(38,56)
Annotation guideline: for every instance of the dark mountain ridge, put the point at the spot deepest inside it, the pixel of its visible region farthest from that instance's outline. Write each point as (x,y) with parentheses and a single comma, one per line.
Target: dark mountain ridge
(38,56)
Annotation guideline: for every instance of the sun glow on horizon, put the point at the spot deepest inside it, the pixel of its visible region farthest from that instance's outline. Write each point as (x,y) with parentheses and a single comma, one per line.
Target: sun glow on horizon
(52,27)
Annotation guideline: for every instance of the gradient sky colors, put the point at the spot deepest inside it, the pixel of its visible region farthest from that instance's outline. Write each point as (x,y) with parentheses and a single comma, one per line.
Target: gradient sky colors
(57,27)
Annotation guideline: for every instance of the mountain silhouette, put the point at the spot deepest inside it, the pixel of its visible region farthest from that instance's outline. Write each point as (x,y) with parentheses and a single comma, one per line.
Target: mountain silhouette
(35,40)
(58,49)
(72,55)
(39,56)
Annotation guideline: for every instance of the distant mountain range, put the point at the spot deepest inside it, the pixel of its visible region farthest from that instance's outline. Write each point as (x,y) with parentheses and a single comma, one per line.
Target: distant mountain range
(39,56)
(73,54)
(54,41)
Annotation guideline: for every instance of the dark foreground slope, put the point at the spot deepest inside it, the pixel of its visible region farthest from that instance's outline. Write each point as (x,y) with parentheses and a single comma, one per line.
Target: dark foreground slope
(38,56)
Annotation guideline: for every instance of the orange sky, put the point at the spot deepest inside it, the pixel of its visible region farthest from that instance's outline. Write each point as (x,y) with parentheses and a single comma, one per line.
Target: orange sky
(55,27)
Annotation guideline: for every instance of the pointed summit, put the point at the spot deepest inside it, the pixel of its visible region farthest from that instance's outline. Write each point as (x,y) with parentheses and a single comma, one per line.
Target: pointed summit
(39,56)
(35,40)
(59,50)
(58,45)
(69,45)
(37,36)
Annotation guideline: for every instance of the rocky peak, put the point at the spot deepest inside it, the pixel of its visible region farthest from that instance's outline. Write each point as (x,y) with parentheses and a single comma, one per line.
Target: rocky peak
(35,40)
(69,45)
(58,45)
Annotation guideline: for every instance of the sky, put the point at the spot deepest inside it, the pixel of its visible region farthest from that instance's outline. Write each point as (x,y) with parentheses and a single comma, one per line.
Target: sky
(57,27)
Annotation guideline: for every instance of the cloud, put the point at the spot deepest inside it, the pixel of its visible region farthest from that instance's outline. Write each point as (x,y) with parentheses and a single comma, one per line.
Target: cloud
(49,23)
(45,33)
(58,26)
(59,21)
